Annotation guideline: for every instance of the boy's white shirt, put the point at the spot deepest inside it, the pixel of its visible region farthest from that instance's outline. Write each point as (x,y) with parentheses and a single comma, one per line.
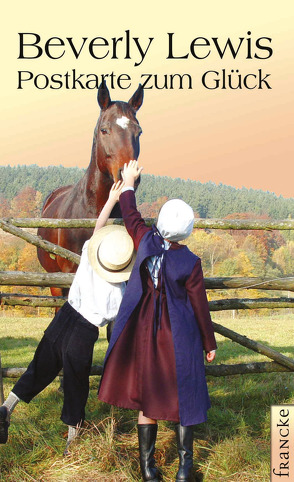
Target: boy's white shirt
(94,298)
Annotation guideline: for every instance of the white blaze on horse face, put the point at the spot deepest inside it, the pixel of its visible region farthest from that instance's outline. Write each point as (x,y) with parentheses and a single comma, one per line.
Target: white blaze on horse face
(123,122)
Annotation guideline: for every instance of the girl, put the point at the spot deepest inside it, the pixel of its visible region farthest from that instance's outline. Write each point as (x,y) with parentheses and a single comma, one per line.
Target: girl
(154,361)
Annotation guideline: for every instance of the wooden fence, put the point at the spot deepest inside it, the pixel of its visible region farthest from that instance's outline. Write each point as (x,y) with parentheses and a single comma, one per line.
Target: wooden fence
(278,363)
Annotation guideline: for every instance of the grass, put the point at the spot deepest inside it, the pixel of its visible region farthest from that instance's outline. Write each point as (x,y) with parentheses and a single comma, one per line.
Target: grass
(234,445)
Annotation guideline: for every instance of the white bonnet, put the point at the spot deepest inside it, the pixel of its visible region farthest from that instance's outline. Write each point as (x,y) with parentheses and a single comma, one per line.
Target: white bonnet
(175,220)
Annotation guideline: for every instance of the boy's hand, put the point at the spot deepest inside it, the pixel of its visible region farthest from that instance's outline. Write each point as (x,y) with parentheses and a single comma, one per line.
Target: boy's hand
(210,356)
(131,172)
(115,191)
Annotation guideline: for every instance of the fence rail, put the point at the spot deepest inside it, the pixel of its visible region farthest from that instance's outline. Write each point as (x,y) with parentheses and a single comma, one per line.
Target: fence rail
(219,370)
(64,280)
(200,223)
(17,299)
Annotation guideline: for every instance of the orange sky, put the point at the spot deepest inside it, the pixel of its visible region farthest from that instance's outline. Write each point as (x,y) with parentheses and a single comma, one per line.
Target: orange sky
(237,137)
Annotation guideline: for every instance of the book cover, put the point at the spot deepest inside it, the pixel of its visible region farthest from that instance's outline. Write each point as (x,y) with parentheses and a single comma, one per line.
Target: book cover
(218,107)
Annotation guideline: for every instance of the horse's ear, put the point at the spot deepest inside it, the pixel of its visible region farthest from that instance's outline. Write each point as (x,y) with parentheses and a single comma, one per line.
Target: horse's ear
(103,96)
(137,99)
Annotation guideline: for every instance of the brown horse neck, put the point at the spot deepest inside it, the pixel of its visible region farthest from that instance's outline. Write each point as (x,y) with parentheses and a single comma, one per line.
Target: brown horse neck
(94,185)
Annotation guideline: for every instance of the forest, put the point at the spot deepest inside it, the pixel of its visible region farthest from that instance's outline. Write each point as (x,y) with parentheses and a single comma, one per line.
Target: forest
(208,200)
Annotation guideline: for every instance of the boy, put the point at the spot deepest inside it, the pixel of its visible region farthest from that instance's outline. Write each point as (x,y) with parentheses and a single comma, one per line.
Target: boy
(68,342)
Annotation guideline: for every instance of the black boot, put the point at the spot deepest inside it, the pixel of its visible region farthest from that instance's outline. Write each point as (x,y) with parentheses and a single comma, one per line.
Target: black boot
(147,438)
(4,424)
(185,450)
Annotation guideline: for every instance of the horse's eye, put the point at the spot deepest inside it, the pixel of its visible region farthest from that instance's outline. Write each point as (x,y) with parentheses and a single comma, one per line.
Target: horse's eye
(104,130)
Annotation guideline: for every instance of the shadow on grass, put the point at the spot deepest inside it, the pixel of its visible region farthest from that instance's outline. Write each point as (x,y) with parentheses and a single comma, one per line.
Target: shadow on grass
(240,411)
(24,349)
(229,349)
(11,343)
(248,396)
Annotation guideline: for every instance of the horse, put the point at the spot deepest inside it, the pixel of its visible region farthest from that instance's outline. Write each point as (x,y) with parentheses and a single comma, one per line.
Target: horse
(115,142)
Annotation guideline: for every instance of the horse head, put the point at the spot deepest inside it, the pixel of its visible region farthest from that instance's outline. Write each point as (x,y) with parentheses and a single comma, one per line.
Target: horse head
(116,135)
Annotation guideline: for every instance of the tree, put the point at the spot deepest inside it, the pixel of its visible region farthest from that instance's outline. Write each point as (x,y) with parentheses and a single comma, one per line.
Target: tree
(10,250)
(270,240)
(4,207)
(27,259)
(211,248)
(284,258)
(148,210)
(26,203)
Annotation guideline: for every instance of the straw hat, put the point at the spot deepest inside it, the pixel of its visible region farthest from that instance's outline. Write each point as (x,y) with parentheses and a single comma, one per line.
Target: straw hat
(111,253)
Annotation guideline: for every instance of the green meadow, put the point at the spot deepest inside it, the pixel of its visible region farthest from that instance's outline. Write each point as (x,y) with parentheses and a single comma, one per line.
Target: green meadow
(234,445)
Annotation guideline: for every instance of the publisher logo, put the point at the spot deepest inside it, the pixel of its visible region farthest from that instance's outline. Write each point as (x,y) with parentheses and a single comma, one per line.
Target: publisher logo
(282,442)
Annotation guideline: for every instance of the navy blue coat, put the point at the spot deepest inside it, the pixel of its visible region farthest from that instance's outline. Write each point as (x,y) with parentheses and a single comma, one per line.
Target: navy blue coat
(190,321)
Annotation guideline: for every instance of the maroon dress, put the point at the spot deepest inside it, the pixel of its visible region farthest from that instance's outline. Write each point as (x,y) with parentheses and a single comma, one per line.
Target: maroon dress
(146,367)
(140,373)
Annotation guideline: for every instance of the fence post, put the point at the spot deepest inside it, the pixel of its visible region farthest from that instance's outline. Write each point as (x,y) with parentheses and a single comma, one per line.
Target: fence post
(1,384)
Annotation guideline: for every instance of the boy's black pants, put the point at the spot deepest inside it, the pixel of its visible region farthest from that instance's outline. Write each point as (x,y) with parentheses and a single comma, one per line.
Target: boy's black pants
(68,343)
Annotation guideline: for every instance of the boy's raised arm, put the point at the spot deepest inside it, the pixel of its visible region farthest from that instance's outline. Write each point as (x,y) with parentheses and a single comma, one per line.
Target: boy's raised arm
(113,198)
